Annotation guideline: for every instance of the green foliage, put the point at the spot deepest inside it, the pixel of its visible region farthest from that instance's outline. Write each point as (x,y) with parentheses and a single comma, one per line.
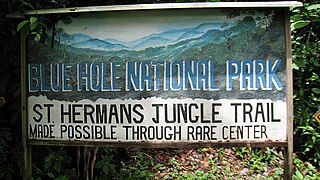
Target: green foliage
(137,167)
(34,26)
(306,67)
(105,166)
(304,171)
(54,165)
(5,137)
(10,121)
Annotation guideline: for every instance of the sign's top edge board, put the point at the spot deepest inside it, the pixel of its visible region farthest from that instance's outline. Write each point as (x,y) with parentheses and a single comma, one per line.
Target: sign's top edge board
(159,6)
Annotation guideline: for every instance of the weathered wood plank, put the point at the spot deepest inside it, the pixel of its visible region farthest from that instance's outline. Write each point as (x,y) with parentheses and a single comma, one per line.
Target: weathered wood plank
(26,147)
(271,4)
(289,85)
(164,144)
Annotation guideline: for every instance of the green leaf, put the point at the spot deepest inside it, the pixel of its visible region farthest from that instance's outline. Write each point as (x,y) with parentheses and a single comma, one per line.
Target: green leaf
(38,37)
(50,175)
(59,157)
(49,157)
(33,25)
(313,6)
(316,90)
(296,17)
(300,64)
(299,175)
(295,66)
(99,164)
(299,24)
(301,92)
(105,169)
(21,25)
(33,19)
(57,166)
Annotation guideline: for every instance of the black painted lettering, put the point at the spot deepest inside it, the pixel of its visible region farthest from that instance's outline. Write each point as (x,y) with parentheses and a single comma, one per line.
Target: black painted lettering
(86,132)
(182,109)
(198,133)
(76,113)
(143,132)
(190,131)
(156,120)
(232,132)
(136,111)
(35,109)
(166,114)
(135,132)
(159,133)
(206,131)
(151,133)
(214,113)
(127,131)
(88,112)
(113,114)
(63,129)
(213,133)
(168,136)
(256,132)
(33,131)
(125,113)
(240,132)
(248,130)
(48,106)
(235,111)
(268,112)
(247,111)
(272,115)
(113,132)
(98,132)
(70,132)
(78,134)
(101,114)
(177,132)
(193,106)
(263,131)
(259,110)
(224,133)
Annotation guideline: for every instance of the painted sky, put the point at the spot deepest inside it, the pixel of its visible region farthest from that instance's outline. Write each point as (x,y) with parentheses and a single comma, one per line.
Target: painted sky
(131,25)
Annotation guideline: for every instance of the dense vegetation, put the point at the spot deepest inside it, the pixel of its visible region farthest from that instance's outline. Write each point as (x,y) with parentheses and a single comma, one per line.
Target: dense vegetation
(204,163)
(306,68)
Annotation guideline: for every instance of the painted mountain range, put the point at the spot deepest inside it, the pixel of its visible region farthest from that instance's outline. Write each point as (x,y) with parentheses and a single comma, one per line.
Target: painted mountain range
(166,38)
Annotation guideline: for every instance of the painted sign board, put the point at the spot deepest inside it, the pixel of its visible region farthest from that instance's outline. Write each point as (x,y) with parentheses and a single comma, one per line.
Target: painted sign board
(161,77)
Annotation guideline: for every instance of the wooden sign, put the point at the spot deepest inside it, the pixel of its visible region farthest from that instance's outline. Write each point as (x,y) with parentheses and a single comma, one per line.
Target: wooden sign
(161,77)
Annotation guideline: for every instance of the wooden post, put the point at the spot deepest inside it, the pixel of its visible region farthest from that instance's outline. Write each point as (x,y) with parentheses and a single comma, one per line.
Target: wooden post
(288,151)
(27,164)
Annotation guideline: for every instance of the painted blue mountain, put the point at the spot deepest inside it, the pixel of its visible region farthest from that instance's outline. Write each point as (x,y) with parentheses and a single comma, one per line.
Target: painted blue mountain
(151,42)
(174,36)
(202,29)
(98,44)
(163,39)
(76,38)
(114,41)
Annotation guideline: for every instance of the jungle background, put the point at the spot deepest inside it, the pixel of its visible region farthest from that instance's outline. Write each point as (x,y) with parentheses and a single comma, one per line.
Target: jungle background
(51,162)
